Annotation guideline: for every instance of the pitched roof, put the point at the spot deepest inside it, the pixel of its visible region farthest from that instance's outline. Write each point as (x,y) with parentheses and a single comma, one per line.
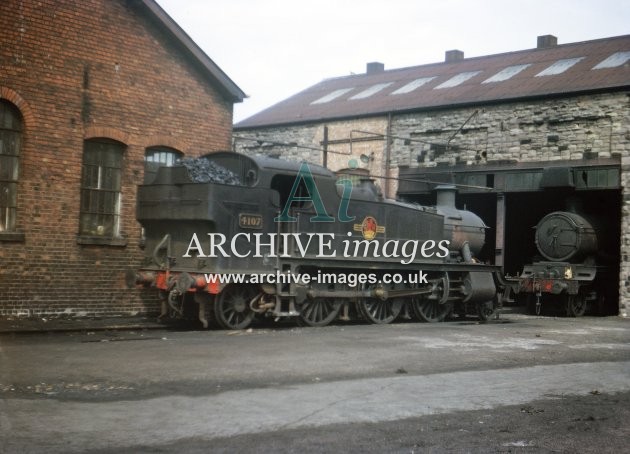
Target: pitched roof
(205,63)
(588,66)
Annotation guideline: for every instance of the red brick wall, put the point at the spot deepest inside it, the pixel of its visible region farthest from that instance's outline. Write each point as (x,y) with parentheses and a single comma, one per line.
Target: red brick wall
(78,70)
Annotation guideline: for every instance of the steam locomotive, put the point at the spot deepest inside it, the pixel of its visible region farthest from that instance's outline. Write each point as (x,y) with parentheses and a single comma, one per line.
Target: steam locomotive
(263,237)
(569,275)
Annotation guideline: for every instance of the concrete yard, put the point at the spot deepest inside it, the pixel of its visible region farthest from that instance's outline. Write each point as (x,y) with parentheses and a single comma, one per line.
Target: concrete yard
(519,384)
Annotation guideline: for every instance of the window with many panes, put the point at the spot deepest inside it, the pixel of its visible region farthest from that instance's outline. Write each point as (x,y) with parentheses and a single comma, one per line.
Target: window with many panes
(100,188)
(10,144)
(156,157)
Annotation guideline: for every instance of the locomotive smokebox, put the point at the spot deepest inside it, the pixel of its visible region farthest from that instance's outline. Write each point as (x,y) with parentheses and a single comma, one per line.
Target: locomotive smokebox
(460,226)
(563,236)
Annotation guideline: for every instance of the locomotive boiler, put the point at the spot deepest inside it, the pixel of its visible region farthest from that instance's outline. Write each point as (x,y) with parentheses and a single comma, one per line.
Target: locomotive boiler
(568,274)
(260,236)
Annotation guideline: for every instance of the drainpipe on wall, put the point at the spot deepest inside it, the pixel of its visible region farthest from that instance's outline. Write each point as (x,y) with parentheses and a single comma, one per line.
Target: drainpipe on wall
(325,148)
(388,151)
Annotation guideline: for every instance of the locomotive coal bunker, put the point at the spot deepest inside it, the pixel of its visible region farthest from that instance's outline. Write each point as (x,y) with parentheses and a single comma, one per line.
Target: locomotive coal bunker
(244,237)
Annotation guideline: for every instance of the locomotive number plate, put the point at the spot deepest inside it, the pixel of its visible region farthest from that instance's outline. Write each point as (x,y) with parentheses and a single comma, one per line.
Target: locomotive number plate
(250,221)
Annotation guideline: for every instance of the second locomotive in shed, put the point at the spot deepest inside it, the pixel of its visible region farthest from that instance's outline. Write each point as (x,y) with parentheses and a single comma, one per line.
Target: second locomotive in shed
(569,275)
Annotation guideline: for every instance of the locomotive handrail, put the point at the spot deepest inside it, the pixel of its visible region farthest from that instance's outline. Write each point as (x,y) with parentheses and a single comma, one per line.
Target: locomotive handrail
(165,240)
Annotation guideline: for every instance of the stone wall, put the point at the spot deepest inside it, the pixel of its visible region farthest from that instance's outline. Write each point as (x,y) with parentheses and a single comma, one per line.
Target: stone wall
(554,129)
(352,144)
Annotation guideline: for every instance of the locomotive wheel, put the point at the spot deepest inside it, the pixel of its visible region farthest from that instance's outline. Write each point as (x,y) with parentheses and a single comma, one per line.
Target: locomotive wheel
(320,311)
(429,310)
(575,305)
(378,311)
(231,308)
(435,308)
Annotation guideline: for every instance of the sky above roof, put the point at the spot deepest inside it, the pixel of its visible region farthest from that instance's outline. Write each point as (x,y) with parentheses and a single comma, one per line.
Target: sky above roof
(274,49)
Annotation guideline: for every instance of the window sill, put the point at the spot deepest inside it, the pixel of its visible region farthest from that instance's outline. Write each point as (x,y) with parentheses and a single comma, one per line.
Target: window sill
(101,241)
(12,236)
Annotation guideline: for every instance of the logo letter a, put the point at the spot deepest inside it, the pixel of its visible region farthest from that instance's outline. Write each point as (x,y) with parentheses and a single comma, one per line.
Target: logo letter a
(313,195)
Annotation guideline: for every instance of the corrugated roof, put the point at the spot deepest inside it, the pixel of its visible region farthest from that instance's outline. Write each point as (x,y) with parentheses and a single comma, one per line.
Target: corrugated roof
(588,66)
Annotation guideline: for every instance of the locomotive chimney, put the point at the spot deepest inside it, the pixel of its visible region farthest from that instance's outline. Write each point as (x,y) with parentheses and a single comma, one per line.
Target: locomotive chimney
(574,205)
(446,195)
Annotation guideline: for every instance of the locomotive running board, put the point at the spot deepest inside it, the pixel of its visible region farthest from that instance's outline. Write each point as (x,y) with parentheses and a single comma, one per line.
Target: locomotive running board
(379,292)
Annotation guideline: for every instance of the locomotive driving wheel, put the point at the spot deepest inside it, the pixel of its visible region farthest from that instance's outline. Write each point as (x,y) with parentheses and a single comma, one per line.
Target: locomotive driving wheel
(320,311)
(434,307)
(379,311)
(575,305)
(232,307)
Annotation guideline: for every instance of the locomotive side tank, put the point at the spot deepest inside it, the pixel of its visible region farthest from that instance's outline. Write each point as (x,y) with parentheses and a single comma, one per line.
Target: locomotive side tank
(321,245)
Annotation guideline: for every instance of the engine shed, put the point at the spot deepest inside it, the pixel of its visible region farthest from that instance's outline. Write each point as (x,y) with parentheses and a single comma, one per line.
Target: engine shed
(522,134)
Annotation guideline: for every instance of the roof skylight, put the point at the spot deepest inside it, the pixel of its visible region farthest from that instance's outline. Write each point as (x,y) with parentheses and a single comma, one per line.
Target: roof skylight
(333,95)
(559,67)
(615,60)
(370,91)
(411,86)
(506,73)
(457,80)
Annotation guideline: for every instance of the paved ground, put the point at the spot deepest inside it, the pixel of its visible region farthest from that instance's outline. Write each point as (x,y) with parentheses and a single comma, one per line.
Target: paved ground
(522,384)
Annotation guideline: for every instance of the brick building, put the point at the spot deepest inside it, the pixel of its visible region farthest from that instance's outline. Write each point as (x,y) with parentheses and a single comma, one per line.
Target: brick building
(91,92)
(522,133)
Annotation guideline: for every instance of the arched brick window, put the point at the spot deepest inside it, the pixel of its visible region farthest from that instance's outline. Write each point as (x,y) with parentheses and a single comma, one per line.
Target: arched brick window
(156,157)
(10,145)
(100,188)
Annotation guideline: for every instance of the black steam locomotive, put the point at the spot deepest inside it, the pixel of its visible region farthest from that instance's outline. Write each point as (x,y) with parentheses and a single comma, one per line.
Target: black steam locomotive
(568,275)
(267,237)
